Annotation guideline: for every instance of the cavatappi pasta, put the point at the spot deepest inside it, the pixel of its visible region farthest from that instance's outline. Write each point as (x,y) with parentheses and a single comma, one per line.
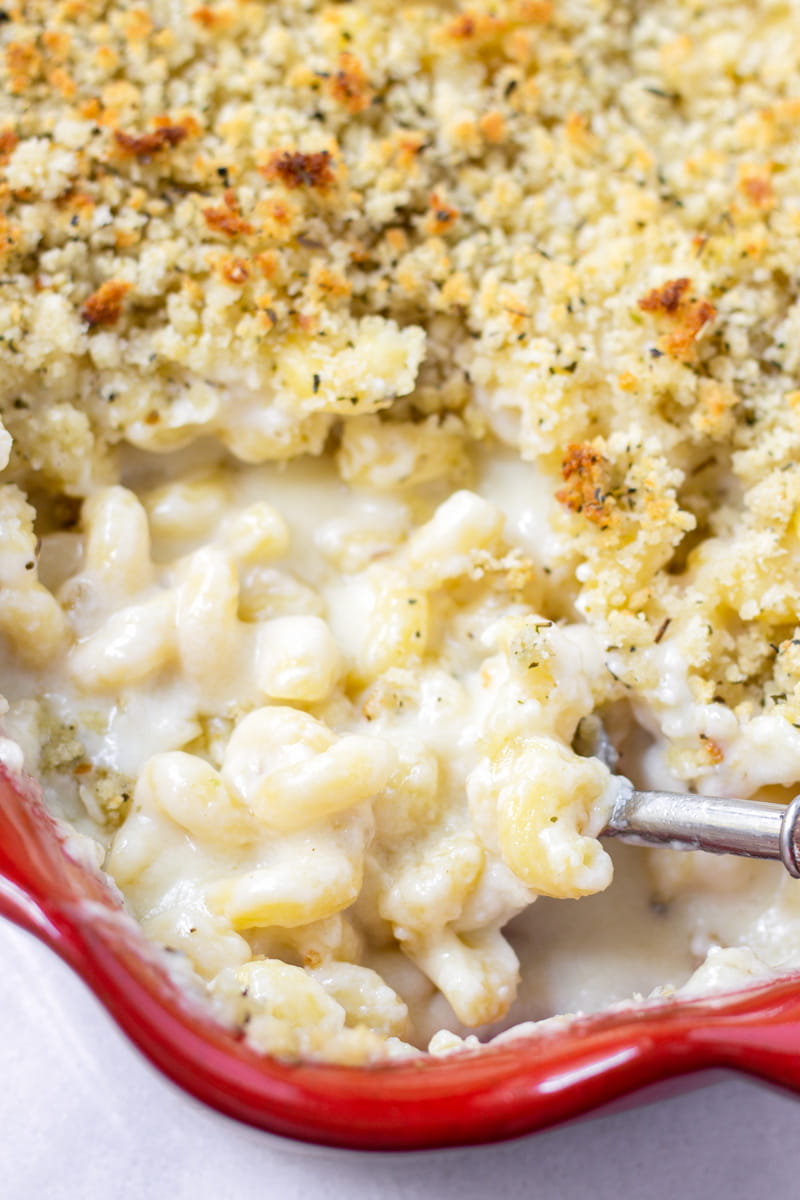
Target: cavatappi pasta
(379,399)
(372,762)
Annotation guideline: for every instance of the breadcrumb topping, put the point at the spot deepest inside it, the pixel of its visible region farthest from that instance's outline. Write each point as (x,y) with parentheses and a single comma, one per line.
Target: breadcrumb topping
(104,307)
(570,227)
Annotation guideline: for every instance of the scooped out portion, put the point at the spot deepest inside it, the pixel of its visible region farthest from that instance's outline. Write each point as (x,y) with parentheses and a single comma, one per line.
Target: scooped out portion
(335,746)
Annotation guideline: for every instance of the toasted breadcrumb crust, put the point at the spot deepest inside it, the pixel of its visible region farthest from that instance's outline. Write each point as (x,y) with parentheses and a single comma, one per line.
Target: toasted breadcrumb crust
(574,227)
(104,307)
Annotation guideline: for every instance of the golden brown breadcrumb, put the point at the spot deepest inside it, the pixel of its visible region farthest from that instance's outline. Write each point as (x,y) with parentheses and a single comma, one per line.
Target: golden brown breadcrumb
(562,226)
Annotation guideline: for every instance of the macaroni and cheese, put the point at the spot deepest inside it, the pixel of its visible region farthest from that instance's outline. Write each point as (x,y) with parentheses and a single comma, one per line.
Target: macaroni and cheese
(380,399)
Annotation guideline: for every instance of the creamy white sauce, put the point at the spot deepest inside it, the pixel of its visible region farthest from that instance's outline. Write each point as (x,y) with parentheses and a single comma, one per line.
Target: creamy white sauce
(436,891)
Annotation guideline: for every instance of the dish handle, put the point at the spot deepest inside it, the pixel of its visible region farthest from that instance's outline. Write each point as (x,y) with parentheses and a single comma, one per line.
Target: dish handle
(759,1034)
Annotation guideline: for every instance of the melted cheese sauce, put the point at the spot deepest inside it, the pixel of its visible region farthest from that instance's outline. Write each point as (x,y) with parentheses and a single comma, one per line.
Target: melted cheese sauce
(396,905)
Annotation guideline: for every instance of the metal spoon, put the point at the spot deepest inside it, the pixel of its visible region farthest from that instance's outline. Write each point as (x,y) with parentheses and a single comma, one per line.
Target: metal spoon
(684,821)
(716,824)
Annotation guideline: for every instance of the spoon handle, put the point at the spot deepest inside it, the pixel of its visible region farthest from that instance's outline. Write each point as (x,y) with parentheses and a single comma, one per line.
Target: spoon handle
(712,823)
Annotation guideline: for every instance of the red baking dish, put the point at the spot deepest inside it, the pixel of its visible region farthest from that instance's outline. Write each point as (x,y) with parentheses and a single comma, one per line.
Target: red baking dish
(498,1092)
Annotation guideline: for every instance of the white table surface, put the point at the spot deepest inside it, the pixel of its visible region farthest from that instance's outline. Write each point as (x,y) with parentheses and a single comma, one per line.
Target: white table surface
(82,1116)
